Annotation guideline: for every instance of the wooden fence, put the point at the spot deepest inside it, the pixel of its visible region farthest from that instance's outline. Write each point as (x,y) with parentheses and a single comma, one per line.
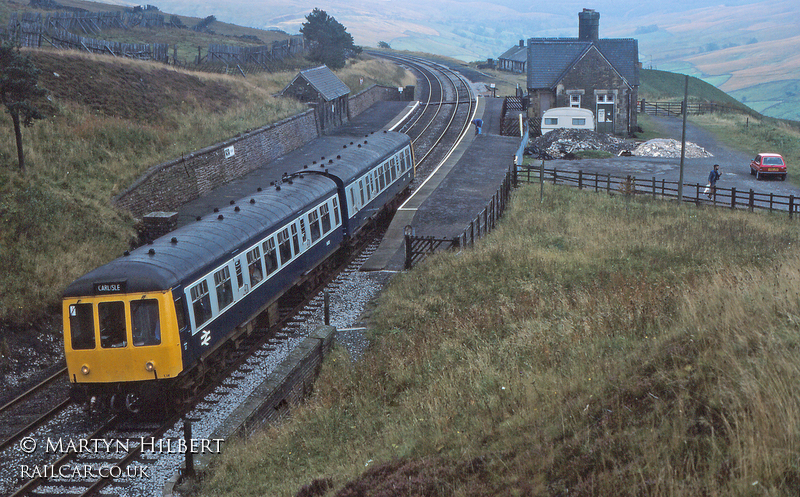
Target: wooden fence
(659,188)
(419,247)
(676,108)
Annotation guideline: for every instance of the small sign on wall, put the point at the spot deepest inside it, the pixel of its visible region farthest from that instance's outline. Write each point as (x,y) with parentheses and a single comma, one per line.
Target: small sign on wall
(229,152)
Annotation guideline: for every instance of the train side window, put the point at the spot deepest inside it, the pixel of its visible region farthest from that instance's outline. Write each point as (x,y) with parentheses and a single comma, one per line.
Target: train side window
(201,303)
(113,332)
(222,280)
(180,315)
(393,168)
(352,198)
(284,245)
(146,325)
(254,266)
(369,186)
(81,326)
(313,223)
(270,255)
(296,240)
(239,276)
(303,232)
(336,211)
(361,187)
(386,174)
(381,177)
(326,218)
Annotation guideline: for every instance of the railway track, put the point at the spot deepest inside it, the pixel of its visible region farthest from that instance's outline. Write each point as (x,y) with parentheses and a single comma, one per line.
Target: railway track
(44,456)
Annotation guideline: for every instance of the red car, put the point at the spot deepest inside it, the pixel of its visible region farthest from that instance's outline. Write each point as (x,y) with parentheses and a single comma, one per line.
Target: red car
(768,165)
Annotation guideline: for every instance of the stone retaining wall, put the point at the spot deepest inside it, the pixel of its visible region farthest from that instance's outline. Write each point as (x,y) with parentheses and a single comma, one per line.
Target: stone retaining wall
(167,186)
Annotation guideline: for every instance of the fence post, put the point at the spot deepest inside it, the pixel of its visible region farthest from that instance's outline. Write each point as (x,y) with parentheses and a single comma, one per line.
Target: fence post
(408,252)
(608,183)
(733,197)
(770,201)
(555,176)
(697,194)
(596,176)
(654,187)
(791,205)
(580,179)
(751,202)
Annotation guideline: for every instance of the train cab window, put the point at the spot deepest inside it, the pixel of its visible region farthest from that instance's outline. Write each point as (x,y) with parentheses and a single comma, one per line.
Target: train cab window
(284,245)
(313,223)
(254,265)
(201,303)
(336,211)
(222,280)
(180,314)
(295,240)
(81,326)
(326,218)
(113,333)
(146,325)
(270,255)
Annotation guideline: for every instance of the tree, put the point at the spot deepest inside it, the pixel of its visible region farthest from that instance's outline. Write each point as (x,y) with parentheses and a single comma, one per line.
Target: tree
(383,44)
(19,88)
(329,41)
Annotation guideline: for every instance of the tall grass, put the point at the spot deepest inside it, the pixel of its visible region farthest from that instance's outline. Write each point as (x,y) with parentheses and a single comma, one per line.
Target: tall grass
(589,345)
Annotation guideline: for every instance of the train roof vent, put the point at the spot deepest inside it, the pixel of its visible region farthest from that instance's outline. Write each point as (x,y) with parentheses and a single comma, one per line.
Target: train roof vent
(278,188)
(216,209)
(126,253)
(220,217)
(252,200)
(174,240)
(152,251)
(237,209)
(197,218)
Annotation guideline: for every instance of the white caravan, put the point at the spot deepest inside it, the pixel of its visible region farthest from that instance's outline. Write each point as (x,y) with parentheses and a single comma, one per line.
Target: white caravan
(567,117)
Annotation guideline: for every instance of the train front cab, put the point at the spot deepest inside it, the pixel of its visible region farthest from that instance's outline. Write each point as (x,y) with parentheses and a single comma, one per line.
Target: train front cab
(116,345)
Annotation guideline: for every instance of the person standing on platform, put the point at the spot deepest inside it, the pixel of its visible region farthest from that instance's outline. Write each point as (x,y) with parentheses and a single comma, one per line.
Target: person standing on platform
(478,125)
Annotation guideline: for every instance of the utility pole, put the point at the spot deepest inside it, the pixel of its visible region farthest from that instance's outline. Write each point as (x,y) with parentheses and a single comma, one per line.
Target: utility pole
(683,137)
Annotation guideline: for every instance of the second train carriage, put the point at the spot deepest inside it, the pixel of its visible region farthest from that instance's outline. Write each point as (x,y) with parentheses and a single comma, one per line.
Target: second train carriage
(138,324)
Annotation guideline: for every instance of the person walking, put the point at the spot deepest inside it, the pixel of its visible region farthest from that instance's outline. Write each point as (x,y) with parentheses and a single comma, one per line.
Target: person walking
(713,176)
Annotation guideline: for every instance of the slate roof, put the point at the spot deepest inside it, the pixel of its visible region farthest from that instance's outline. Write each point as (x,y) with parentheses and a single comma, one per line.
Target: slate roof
(323,81)
(549,59)
(515,53)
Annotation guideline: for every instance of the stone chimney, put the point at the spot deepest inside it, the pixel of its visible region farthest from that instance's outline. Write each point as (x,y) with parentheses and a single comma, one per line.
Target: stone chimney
(588,25)
(521,43)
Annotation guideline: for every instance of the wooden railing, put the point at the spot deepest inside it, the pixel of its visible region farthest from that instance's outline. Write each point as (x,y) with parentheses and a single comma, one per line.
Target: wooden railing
(418,247)
(659,188)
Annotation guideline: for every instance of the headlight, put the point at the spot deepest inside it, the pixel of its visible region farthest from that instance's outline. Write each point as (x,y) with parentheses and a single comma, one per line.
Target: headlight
(150,366)
(85,369)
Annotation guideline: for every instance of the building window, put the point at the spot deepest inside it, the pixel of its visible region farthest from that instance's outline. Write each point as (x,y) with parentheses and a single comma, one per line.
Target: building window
(575,100)
(605,99)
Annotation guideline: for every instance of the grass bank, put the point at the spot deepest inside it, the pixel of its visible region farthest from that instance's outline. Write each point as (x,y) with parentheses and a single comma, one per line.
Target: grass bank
(109,120)
(589,345)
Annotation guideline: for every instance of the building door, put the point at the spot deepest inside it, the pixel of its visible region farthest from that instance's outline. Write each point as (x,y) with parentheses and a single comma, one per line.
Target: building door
(605,113)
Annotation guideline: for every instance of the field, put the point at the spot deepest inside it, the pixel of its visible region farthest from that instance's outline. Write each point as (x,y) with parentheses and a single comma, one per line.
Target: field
(653,354)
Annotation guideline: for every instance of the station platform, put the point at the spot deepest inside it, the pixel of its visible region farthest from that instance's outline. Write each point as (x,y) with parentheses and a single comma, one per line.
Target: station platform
(455,193)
